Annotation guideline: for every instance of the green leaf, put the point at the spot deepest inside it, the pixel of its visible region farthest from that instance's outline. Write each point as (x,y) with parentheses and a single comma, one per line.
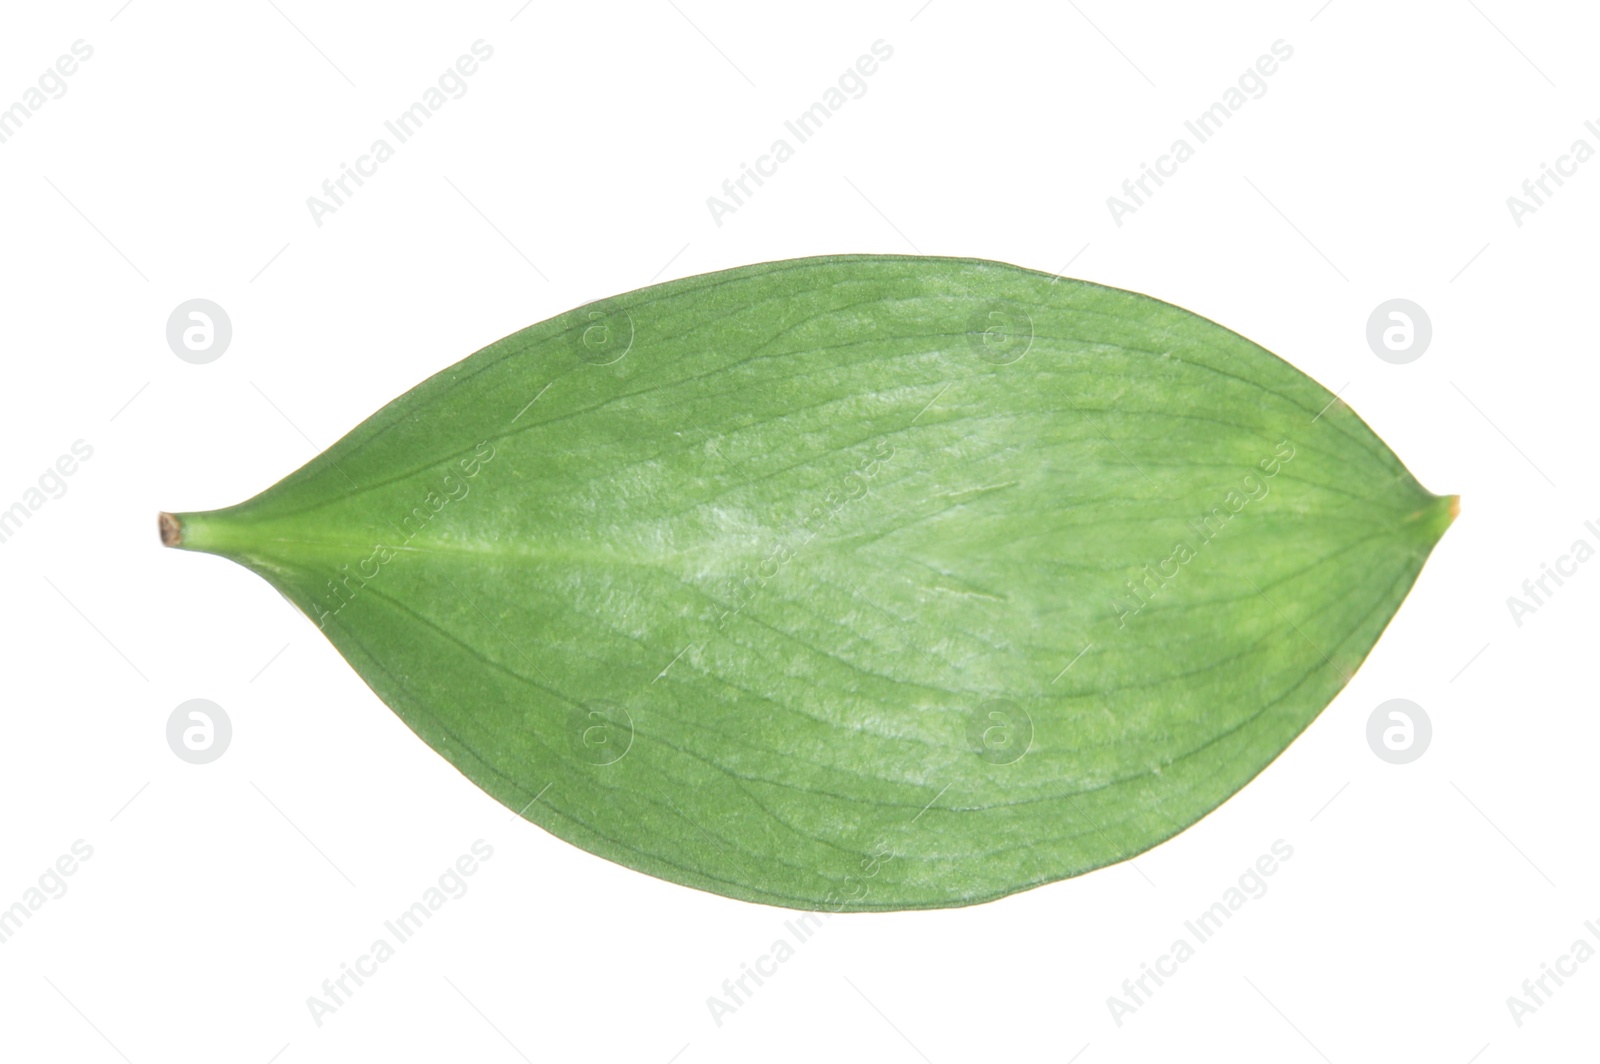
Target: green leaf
(853,583)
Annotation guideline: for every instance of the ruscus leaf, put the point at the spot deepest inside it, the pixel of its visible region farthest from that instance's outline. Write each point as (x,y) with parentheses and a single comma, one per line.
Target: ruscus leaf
(854,582)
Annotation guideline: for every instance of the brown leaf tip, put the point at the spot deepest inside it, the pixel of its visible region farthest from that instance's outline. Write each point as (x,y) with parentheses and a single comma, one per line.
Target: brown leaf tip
(171,530)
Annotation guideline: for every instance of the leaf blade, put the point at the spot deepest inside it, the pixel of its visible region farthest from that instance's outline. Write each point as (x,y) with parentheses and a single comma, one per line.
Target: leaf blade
(822,540)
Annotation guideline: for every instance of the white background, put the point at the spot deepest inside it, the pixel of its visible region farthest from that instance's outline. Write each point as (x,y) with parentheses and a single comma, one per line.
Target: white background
(219,897)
